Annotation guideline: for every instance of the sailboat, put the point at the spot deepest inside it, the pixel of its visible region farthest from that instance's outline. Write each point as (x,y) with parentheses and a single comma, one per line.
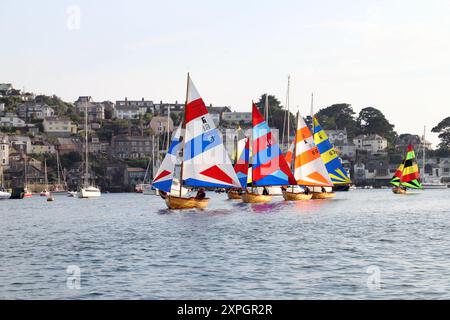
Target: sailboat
(407,174)
(3,193)
(165,176)
(26,193)
(241,168)
(269,167)
(45,192)
(87,190)
(336,171)
(309,169)
(205,162)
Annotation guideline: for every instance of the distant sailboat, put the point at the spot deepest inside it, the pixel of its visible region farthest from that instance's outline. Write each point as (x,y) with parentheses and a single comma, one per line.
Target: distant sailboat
(309,169)
(241,168)
(205,161)
(26,192)
(269,167)
(336,171)
(87,190)
(3,193)
(45,192)
(407,175)
(165,176)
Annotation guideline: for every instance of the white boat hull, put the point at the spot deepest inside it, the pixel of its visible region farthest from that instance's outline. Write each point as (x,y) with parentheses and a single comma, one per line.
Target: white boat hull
(427,186)
(4,195)
(87,193)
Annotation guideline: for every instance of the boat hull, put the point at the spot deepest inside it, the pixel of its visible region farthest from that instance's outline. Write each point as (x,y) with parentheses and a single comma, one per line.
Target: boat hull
(398,191)
(295,196)
(4,195)
(323,195)
(175,203)
(89,193)
(234,195)
(255,198)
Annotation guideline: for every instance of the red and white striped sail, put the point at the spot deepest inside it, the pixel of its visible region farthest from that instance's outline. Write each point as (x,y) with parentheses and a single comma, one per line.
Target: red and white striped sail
(309,169)
(205,160)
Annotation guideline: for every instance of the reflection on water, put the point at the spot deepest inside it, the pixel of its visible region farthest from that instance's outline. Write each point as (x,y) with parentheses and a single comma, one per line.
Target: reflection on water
(131,246)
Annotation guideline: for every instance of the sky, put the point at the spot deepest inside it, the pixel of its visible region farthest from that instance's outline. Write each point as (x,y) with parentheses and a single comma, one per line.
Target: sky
(393,55)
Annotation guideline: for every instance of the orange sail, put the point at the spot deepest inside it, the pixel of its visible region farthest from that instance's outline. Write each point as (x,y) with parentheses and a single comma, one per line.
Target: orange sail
(309,169)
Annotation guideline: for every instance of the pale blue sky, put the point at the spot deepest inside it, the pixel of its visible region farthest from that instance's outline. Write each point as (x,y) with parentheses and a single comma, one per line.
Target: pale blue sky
(393,55)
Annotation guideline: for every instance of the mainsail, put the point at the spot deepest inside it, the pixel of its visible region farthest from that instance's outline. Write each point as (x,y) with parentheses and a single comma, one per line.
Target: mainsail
(329,156)
(205,160)
(164,177)
(410,172)
(241,166)
(269,167)
(309,169)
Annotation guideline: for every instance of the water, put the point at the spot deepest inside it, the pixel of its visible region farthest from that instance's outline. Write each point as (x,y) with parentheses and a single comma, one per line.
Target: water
(364,244)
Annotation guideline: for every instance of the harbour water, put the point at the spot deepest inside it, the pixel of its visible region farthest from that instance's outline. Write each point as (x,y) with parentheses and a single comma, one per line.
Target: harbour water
(363,244)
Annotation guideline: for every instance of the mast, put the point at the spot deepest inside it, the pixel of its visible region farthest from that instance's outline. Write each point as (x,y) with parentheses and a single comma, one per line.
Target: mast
(57,168)
(45,174)
(184,127)
(294,155)
(266,108)
(312,105)
(153,157)
(168,126)
(423,155)
(25,170)
(86,177)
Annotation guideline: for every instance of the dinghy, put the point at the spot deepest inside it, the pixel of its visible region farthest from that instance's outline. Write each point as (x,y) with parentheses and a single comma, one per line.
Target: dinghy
(407,174)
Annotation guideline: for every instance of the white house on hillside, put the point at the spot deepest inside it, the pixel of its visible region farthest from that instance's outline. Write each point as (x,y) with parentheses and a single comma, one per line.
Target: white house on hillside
(372,143)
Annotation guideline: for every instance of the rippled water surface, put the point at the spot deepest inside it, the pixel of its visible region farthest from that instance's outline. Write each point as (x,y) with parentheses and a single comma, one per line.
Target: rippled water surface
(128,246)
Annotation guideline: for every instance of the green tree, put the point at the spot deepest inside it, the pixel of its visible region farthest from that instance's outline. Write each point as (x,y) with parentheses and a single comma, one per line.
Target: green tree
(338,116)
(372,121)
(443,128)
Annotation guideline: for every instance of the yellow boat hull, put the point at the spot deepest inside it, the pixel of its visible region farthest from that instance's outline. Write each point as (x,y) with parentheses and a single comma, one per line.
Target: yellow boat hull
(294,196)
(398,191)
(186,203)
(255,198)
(323,195)
(234,195)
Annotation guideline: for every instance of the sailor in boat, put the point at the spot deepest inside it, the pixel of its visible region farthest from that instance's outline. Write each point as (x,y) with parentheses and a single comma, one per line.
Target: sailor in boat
(200,194)
(323,190)
(307,191)
(163,194)
(265,192)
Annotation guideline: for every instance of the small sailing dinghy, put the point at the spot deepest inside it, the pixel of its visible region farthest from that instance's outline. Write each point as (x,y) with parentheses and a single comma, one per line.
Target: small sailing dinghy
(241,169)
(336,171)
(205,162)
(269,167)
(309,169)
(407,174)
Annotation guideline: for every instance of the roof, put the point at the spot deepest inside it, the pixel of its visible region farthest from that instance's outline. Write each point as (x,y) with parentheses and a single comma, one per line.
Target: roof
(57,119)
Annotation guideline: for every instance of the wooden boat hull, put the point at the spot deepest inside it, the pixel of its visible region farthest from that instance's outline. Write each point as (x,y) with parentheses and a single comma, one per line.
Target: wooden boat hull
(398,191)
(255,198)
(234,195)
(323,195)
(295,196)
(173,202)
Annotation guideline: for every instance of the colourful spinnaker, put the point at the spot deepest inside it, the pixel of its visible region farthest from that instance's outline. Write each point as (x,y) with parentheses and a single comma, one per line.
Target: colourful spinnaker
(269,166)
(329,156)
(241,166)
(410,172)
(164,177)
(309,169)
(205,160)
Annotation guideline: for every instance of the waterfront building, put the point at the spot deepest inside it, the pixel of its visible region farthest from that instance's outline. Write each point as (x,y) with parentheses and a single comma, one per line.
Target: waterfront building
(372,143)
(133,176)
(59,126)
(131,147)
(31,110)
(237,117)
(21,143)
(158,125)
(12,122)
